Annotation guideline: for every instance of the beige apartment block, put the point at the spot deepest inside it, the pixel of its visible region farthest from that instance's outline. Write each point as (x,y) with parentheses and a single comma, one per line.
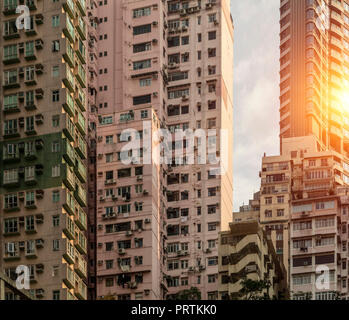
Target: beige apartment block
(245,251)
(319,246)
(43,141)
(249,212)
(168,64)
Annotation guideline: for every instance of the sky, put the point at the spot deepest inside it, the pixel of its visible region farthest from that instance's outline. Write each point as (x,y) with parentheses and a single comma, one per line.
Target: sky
(256,91)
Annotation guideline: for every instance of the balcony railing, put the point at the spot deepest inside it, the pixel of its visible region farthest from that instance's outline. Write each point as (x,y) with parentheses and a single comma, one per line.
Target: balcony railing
(80,218)
(80,171)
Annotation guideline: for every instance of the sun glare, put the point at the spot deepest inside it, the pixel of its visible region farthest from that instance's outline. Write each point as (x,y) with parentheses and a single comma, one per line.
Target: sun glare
(345,100)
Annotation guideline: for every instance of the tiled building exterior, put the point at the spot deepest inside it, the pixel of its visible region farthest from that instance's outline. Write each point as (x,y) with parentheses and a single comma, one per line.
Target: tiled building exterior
(167,64)
(43,140)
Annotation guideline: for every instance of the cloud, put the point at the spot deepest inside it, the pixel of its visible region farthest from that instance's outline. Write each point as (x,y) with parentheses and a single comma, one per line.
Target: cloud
(256,91)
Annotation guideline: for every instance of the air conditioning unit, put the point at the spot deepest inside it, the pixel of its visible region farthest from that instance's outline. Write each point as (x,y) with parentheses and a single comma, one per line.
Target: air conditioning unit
(39,243)
(139,178)
(129,233)
(122,251)
(147,221)
(39,293)
(155,23)
(147,292)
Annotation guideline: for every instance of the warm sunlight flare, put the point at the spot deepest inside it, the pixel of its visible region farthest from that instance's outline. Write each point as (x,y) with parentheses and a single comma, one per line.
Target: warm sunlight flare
(345,100)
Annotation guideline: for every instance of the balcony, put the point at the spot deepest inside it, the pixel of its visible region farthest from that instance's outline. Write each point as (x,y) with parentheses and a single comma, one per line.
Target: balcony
(68,177)
(80,51)
(69,278)
(68,6)
(11,157)
(80,242)
(81,28)
(11,82)
(68,105)
(69,55)
(69,252)
(11,58)
(10,9)
(80,265)
(68,80)
(81,4)
(80,218)
(80,288)
(80,195)
(11,108)
(11,32)
(69,129)
(69,30)
(80,123)
(80,75)
(80,171)
(68,153)
(69,203)
(11,183)
(11,256)
(80,99)
(80,146)
(69,228)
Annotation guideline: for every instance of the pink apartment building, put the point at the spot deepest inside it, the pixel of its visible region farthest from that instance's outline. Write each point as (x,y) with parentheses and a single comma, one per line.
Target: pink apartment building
(169,65)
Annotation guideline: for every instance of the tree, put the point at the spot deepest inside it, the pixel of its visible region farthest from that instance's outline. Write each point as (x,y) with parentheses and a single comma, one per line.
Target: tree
(108,297)
(253,289)
(192,294)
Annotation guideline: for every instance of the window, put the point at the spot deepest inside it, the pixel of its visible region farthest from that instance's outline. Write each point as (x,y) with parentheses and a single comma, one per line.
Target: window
(141,47)
(144,114)
(55,121)
(55,71)
(141,100)
(56,295)
(29,198)
(55,196)
(55,21)
(55,46)
(142,12)
(56,171)
(212,35)
(55,221)
(212,226)
(109,139)
(139,65)
(55,146)
(141,29)
(145,82)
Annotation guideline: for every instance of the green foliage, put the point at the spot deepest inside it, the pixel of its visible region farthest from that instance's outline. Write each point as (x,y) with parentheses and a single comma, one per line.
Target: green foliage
(192,294)
(253,290)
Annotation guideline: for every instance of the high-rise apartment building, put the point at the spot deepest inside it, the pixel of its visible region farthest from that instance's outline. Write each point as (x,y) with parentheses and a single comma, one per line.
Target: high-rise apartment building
(314,74)
(43,140)
(161,65)
(92,89)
